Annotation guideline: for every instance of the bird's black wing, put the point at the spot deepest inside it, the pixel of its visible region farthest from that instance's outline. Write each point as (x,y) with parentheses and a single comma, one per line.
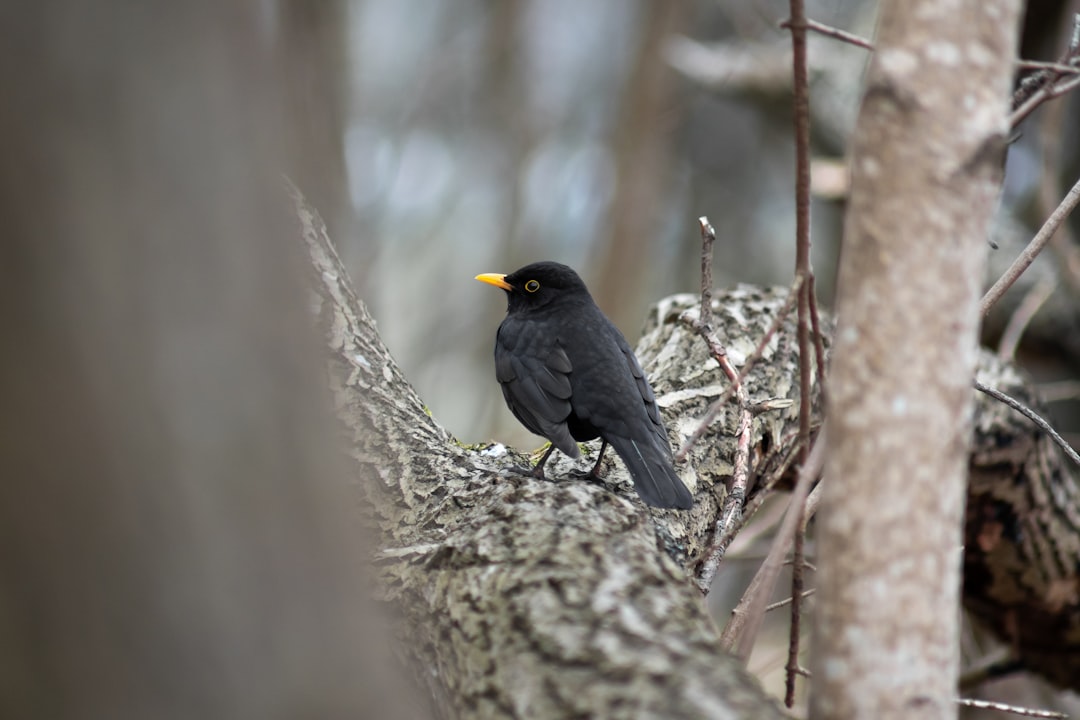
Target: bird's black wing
(645,447)
(535,381)
(647,396)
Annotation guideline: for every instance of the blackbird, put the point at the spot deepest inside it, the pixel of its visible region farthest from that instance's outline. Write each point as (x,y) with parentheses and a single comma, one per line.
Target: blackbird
(567,373)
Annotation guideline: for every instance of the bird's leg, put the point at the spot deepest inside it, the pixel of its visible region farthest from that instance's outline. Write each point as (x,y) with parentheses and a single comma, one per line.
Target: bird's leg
(538,471)
(595,472)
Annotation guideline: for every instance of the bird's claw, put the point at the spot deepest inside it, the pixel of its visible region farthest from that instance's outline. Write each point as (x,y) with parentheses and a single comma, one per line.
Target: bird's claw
(589,477)
(533,472)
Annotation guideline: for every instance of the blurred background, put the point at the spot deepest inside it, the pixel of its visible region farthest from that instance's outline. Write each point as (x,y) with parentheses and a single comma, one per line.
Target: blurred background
(479,136)
(148,286)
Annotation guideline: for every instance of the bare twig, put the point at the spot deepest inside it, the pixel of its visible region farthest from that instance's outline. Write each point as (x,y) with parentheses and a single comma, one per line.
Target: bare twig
(1044,84)
(859,41)
(812,502)
(819,341)
(797,584)
(801,96)
(830,31)
(1025,311)
(801,92)
(1014,709)
(754,504)
(786,601)
(708,237)
(1032,416)
(1071,200)
(731,511)
(1049,91)
(741,630)
(1040,65)
(1051,139)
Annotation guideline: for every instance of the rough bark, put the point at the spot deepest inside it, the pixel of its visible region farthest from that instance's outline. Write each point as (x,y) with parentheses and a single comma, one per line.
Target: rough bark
(926,171)
(1022,532)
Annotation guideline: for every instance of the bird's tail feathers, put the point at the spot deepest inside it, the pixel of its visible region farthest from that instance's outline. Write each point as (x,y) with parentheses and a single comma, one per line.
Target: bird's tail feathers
(653,473)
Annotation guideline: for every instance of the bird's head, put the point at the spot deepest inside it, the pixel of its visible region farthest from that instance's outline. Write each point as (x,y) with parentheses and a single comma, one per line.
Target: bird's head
(537,285)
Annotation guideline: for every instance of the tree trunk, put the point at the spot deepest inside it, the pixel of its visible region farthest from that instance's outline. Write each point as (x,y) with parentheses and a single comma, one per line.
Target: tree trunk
(172,539)
(927,167)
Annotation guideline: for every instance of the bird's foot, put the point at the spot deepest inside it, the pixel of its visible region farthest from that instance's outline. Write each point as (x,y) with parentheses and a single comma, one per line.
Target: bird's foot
(592,476)
(533,472)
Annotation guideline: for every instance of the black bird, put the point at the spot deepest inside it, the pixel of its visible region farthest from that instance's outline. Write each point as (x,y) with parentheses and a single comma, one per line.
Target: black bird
(568,374)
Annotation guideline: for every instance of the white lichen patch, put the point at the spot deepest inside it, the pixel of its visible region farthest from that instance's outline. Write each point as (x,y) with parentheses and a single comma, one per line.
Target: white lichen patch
(495,451)
(943,53)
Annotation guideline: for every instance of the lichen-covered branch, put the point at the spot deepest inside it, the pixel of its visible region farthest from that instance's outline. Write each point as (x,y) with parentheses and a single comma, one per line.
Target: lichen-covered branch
(1022,532)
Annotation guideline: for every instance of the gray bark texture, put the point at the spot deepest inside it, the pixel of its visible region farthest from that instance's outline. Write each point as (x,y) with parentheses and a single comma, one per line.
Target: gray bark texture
(926,172)
(1022,532)
(524,598)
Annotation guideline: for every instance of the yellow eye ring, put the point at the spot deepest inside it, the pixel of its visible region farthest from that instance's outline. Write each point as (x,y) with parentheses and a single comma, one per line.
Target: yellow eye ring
(532,286)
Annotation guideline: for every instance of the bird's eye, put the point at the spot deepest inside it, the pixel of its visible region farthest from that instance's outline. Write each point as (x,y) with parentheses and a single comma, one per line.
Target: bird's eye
(532,286)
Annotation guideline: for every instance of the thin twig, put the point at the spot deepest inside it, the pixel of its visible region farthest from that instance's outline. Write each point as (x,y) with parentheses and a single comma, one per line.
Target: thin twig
(786,601)
(1030,415)
(807,565)
(1051,153)
(1040,65)
(1049,91)
(708,237)
(1071,200)
(859,41)
(742,628)
(819,342)
(801,100)
(731,511)
(758,499)
(1014,709)
(1021,317)
(830,31)
(797,584)
(1044,84)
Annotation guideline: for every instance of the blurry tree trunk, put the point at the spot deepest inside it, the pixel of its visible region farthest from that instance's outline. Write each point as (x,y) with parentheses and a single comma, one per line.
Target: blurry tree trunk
(171,538)
(642,172)
(311,47)
(926,170)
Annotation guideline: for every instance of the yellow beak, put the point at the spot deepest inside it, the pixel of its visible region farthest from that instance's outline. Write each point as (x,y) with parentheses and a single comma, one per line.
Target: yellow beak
(495,279)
